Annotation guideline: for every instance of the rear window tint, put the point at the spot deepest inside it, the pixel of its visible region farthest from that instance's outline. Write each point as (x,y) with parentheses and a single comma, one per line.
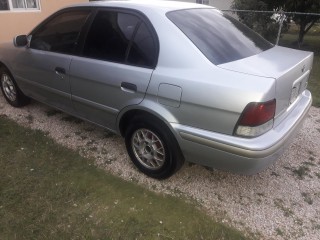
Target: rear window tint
(219,37)
(109,36)
(122,38)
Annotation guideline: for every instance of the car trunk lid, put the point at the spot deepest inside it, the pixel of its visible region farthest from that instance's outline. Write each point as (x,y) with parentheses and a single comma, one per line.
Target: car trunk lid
(289,67)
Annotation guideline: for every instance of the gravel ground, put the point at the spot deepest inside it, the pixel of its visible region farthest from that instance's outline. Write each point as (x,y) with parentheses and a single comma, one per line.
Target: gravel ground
(282,202)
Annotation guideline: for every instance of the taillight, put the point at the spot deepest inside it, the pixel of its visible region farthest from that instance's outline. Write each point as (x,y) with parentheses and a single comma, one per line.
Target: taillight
(256,119)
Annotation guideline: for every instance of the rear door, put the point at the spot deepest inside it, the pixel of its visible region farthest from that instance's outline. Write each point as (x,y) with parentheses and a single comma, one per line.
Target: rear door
(43,68)
(118,58)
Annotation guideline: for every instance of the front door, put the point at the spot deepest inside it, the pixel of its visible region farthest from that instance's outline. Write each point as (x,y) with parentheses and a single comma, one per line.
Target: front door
(43,67)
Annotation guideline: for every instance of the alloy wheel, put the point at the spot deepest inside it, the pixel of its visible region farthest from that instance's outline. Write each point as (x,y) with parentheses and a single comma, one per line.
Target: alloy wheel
(8,87)
(148,149)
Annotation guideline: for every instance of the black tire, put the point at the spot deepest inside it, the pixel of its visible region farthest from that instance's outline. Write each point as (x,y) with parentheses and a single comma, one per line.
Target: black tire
(152,147)
(10,89)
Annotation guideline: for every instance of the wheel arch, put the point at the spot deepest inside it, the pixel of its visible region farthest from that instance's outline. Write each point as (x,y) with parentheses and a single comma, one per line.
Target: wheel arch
(145,108)
(3,65)
(6,67)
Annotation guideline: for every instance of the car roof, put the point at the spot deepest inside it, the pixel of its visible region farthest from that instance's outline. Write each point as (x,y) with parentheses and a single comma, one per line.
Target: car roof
(142,5)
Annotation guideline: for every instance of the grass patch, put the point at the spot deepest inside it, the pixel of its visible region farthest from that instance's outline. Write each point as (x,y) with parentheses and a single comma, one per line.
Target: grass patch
(50,192)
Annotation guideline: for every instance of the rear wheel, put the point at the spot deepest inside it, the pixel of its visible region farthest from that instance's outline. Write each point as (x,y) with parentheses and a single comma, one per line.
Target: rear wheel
(10,90)
(153,148)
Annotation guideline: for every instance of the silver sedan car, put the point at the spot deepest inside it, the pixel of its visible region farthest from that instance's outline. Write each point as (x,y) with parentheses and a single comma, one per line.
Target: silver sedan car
(180,82)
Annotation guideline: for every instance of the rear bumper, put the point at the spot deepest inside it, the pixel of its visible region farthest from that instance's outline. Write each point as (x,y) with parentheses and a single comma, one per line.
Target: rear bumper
(247,156)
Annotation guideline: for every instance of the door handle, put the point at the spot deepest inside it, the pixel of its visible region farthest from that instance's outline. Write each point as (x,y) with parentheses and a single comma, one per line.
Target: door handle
(60,71)
(128,87)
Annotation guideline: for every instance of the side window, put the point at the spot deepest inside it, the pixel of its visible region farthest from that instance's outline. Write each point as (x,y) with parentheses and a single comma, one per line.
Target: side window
(61,33)
(110,35)
(143,49)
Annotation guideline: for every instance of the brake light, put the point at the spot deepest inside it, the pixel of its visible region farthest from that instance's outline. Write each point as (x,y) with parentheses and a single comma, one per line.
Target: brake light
(256,119)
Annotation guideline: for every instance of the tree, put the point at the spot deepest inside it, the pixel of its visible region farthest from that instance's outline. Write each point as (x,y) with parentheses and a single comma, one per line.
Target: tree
(261,22)
(305,22)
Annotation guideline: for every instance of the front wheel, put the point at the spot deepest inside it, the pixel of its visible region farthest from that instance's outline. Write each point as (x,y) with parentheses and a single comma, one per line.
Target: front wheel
(153,148)
(10,90)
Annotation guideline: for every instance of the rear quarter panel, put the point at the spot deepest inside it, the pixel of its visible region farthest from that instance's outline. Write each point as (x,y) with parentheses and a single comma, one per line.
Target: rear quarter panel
(212,98)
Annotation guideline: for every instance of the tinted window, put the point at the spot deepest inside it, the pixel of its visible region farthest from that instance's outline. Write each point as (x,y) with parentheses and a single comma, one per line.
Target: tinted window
(143,49)
(61,33)
(110,35)
(219,37)
(120,37)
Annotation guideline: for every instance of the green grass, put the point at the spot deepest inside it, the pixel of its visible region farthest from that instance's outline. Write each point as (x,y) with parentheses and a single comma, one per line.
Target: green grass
(311,43)
(50,192)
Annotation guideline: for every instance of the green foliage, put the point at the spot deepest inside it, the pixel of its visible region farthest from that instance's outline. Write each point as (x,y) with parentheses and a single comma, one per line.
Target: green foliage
(308,6)
(305,21)
(261,22)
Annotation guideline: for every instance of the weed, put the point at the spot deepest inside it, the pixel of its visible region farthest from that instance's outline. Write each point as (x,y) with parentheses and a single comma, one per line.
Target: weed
(310,152)
(287,212)
(301,172)
(91,142)
(108,134)
(93,149)
(309,163)
(316,227)
(279,232)
(52,112)
(219,197)
(307,198)
(109,161)
(298,221)
(30,118)
(311,158)
(72,119)
(89,129)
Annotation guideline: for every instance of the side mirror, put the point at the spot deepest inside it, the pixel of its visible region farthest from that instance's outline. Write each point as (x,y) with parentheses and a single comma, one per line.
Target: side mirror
(20,41)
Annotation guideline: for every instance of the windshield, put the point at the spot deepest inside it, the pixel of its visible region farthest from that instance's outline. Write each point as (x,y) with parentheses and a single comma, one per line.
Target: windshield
(219,37)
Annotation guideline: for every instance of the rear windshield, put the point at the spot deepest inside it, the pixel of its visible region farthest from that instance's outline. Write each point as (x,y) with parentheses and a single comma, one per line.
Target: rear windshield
(219,37)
